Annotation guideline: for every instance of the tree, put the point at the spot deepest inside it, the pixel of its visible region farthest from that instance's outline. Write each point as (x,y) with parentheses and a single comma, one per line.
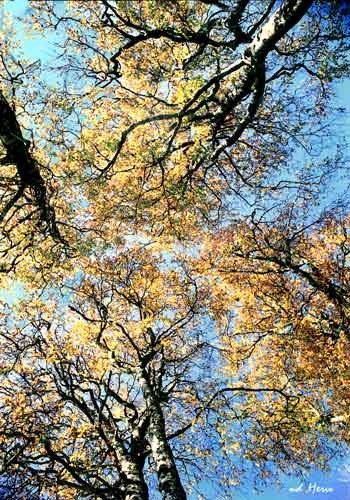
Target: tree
(28,173)
(182,317)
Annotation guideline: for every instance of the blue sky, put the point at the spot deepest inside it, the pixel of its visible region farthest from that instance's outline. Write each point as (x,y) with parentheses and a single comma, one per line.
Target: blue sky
(333,486)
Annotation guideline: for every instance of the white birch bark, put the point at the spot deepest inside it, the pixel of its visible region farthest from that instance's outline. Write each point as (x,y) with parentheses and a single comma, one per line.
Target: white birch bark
(169,481)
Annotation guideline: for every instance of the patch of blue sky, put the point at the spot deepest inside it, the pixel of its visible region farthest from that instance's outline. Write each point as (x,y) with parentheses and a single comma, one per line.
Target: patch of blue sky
(12,294)
(35,46)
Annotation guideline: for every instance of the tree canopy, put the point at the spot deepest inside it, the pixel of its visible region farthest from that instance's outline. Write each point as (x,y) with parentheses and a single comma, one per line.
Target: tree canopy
(174,218)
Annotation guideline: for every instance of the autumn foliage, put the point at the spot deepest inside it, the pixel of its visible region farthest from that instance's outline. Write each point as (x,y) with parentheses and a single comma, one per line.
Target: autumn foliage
(174,248)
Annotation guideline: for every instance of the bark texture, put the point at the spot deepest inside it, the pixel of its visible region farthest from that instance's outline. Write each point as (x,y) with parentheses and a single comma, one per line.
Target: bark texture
(169,481)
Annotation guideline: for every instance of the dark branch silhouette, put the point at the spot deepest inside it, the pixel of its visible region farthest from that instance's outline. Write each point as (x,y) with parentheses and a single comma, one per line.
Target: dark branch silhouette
(18,154)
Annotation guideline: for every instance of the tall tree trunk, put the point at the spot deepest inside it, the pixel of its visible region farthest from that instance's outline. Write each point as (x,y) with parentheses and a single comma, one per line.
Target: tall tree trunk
(132,478)
(168,477)
(135,485)
(169,481)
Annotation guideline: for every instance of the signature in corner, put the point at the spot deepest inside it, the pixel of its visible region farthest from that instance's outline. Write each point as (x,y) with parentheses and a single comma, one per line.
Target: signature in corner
(311,489)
